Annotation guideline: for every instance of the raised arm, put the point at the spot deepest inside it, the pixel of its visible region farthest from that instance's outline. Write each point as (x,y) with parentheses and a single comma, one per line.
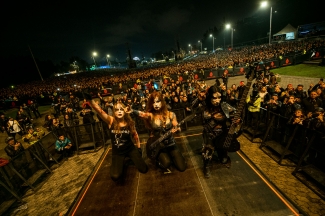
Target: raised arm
(102,114)
(141,114)
(136,139)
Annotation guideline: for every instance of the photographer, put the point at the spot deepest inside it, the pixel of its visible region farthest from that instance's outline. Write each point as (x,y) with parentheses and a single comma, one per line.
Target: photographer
(13,148)
(289,106)
(274,104)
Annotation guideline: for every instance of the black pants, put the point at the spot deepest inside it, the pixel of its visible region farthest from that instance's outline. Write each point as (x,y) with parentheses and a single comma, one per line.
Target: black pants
(172,154)
(118,163)
(66,152)
(213,143)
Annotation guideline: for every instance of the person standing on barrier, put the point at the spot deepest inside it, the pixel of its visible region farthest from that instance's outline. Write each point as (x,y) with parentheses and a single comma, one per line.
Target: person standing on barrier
(160,121)
(216,114)
(124,137)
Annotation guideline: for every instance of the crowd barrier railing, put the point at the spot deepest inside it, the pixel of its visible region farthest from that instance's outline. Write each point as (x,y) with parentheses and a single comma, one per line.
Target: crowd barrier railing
(303,148)
(312,163)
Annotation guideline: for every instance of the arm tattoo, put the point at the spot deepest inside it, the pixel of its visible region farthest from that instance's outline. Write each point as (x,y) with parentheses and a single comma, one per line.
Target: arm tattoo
(136,138)
(141,114)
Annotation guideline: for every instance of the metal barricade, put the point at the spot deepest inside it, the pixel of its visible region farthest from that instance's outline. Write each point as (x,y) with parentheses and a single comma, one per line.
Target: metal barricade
(9,191)
(281,139)
(252,126)
(310,169)
(88,137)
(27,169)
(47,143)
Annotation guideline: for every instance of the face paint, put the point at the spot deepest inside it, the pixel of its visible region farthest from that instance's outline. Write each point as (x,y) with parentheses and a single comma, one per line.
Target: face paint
(119,111)
(216,98)
(157,103)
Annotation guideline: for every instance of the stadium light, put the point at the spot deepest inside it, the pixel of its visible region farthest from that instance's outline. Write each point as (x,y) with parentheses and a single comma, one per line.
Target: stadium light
(212,42)
(108,62)
(190,47)
(228,26)
(201,44)
(94,54)
(265,4)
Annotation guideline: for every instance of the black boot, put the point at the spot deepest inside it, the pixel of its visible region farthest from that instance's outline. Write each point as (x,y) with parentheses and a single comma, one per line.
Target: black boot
(164,170)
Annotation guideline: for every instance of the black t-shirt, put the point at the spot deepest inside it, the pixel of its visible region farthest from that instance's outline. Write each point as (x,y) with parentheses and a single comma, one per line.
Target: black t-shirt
(121,140)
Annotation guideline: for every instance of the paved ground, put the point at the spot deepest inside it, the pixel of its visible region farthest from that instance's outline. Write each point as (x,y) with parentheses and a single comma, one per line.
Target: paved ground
(61,188)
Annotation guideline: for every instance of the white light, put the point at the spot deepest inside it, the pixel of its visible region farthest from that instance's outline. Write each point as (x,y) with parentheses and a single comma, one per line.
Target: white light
(210,35)
(75,85)
(228,26)
(264,4)
(58,89)
(107,56)
(94,54)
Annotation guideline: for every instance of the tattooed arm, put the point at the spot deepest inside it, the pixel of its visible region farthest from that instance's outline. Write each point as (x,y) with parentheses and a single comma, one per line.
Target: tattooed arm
(174,122)
(136,139)
(103,115)
(141,114)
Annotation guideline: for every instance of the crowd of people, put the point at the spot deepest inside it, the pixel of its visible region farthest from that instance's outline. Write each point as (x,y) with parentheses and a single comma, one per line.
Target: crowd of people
(70,102)
(42,90)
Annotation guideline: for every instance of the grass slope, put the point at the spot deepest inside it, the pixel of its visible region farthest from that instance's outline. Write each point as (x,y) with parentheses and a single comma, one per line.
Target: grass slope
(305,70)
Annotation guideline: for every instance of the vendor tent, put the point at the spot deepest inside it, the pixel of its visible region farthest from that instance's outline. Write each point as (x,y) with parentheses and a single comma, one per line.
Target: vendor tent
(288,32)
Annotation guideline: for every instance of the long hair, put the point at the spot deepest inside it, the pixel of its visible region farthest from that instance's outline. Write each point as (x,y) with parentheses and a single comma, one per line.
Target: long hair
(211,91)
(127,118)
(162,111)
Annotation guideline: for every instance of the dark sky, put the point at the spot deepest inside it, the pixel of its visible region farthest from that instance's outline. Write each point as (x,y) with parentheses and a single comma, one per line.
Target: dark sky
(59,29)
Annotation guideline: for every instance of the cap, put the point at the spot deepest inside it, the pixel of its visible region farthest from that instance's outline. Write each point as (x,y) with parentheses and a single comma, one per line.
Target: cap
(8,139)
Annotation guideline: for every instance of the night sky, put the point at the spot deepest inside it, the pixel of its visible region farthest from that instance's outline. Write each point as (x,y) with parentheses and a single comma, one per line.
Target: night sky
(60,29)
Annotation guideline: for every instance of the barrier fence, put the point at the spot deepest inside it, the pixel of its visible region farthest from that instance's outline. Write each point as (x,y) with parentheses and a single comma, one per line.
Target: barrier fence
(291,145)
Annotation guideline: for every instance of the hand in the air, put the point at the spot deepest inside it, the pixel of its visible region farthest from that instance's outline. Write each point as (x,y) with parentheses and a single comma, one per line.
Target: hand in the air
(128,109)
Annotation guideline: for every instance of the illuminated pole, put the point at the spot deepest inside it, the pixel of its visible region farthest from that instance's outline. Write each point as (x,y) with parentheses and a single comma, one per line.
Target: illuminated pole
(212,42)
(270,26)
(108,63)
(228,26)
(264,4)
(201,45)
(94,54)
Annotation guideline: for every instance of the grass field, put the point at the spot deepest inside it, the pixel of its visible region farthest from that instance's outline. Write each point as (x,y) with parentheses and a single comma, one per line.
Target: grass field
(305,70)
